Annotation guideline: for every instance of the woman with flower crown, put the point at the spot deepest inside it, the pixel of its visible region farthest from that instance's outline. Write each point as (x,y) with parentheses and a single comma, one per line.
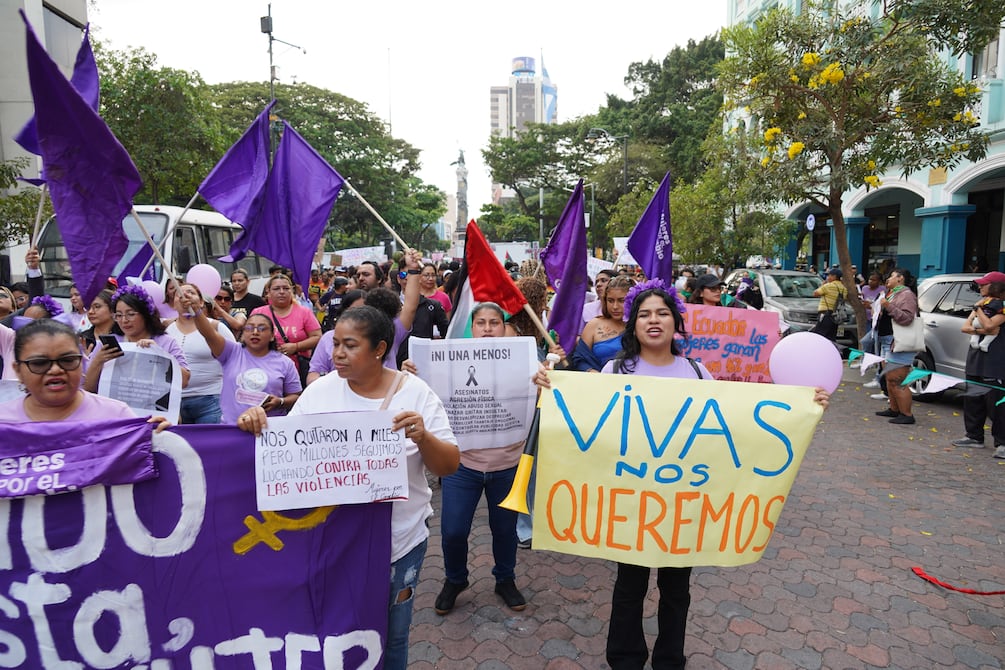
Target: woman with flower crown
(137,321)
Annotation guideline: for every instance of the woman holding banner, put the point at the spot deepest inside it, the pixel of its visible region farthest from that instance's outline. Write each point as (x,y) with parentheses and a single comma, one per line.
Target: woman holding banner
(650,346)
(48,364)
(362,340)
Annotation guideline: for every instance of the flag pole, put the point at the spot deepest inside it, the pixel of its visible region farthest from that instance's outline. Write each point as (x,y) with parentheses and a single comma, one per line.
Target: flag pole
(157,252)
(38,215)
(395,235)
(167,234)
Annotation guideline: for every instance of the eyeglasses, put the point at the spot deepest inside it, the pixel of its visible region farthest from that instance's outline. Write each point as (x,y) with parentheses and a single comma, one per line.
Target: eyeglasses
(224,298)
(40,366)
(251,328)
(125,316)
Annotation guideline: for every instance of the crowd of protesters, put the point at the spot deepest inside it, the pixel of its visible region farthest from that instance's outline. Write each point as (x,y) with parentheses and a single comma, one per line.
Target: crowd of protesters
(341,343)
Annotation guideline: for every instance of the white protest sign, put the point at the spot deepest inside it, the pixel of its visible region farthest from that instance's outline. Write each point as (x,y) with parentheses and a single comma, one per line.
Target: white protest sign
(595,265)
(341,458)
(484,383)
(624,256)
(359,254)
(147,379)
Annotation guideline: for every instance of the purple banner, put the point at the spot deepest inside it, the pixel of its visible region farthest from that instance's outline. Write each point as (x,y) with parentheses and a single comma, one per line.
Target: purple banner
(182,572)
(48,458)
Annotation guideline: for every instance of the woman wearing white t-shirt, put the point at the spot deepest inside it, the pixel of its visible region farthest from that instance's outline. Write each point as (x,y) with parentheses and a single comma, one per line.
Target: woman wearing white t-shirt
(362,339)
(200,400)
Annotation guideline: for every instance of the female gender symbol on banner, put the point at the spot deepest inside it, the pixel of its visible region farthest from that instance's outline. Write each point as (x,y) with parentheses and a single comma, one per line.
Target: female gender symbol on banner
(264,531)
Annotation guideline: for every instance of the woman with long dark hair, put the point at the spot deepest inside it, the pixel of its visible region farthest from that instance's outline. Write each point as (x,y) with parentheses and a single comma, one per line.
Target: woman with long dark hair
(900,305)
(137,321)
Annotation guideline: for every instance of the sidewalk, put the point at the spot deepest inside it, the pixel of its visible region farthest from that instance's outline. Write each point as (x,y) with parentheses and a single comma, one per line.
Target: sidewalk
(834,589)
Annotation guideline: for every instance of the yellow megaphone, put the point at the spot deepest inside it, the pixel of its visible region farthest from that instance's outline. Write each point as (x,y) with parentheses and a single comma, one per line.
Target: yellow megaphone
(516,500)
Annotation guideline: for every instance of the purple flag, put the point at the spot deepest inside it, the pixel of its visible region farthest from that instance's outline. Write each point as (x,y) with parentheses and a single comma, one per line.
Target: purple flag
(91,178)
(234,187)
(84,79)
(182,571)
(564,260)
(651,243)
(299,196)
(140,260)
(66,456)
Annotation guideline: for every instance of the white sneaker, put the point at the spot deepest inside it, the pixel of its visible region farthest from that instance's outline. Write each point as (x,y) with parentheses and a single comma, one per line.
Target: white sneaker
(1000,451)
(879,396)
(871,385)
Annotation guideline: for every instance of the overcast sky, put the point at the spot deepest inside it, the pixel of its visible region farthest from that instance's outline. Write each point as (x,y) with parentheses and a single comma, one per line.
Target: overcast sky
(426,67)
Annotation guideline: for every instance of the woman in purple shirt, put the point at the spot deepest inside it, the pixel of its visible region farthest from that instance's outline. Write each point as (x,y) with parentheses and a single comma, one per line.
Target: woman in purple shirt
(48,364)
(136,320)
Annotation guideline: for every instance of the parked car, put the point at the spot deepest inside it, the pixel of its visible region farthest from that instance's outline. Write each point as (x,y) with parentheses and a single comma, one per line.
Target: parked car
(790,293)
(945,301)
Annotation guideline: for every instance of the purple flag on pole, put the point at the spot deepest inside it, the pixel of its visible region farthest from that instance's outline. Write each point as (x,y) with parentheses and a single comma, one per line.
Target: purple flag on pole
(299,196)
(564,260)
(235,186)
(651,243)
(84,79)
(91,178)
(183,571)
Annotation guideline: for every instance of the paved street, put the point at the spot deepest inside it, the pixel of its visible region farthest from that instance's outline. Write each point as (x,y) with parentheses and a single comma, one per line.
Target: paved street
(834,589)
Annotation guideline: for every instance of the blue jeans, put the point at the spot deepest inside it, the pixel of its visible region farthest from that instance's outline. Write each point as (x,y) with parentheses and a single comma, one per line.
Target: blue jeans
(404,579)
(460,495)
(201,409)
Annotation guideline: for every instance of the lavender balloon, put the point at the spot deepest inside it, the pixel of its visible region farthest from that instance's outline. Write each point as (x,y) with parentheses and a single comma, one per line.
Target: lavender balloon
(806,359)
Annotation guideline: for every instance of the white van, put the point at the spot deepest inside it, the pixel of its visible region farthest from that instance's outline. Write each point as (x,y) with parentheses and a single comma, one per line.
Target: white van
(199,237)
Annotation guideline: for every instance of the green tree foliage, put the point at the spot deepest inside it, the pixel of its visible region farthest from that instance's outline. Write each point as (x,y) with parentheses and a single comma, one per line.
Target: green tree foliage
(674,103)
(357,144)
(505,224)
(838,98)
(163,119)
(18,208)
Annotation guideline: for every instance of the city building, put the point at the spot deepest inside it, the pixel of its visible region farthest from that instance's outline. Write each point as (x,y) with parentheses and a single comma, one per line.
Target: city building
(529,97)
(59,25)
(935,220)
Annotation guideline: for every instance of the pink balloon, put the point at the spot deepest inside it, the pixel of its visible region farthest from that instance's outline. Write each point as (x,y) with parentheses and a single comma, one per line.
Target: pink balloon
(806,359)
(154,290)
(206,277)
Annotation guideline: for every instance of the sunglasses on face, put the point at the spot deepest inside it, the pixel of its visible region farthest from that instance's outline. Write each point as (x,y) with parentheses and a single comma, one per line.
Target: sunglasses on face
(40,366)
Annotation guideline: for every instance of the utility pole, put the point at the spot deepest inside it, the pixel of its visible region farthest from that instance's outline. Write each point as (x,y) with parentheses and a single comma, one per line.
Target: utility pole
(274,126)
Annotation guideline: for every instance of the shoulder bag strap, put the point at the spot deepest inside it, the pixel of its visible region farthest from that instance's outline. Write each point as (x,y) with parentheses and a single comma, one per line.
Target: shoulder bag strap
(279,329)
(697,370)
(396,384)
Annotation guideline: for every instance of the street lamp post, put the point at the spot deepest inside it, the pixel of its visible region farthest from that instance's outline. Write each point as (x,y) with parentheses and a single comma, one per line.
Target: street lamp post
(595,133)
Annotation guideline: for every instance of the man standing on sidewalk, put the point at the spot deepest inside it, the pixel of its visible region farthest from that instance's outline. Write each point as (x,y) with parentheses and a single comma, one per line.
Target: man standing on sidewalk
(831,293)
(988,368)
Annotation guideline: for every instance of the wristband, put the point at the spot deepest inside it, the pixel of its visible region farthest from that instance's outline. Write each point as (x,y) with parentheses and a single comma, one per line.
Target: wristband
(415,272)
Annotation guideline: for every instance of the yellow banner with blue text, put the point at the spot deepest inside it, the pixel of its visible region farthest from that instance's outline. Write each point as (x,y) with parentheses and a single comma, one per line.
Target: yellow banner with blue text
(667,472)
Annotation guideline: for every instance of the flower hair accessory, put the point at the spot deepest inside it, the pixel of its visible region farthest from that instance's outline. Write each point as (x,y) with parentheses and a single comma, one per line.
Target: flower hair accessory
(650,285)
(49,304)
(139,292)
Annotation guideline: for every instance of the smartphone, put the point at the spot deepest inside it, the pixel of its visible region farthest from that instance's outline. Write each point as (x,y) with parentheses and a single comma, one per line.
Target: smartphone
(109,342)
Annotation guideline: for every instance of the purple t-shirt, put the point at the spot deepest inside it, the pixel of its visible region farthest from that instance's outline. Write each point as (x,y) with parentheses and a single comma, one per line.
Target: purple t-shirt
(680,369)
(93,408)
(272,373)
(322,363)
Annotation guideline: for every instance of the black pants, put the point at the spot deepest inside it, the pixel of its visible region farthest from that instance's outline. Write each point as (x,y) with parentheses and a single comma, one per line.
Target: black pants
(978,407)
(626,643)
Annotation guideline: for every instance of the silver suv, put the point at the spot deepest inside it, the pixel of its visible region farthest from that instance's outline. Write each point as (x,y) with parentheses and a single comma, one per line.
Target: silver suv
(945,301)
(790,293)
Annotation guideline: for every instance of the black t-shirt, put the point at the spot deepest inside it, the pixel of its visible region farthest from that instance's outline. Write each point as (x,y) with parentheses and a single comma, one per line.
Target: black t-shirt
(246,304)
(429,313)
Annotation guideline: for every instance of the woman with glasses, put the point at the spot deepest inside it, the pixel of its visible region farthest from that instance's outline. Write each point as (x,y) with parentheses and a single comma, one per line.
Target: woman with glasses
(428,287)
(200,400)
(137,321)
(255,374)
(223,310)
(296,329)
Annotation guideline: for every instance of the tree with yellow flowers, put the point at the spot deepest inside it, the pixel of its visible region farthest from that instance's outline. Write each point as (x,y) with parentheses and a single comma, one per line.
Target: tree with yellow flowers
(838,96)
